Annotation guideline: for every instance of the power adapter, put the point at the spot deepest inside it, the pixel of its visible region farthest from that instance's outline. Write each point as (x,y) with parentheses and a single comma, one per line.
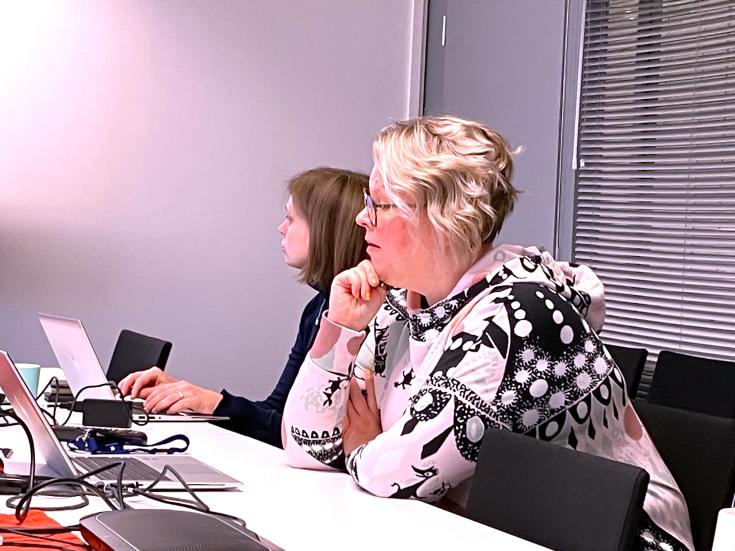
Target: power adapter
(105,413)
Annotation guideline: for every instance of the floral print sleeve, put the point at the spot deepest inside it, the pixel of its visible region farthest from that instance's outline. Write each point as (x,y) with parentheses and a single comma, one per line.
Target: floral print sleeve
(315,409)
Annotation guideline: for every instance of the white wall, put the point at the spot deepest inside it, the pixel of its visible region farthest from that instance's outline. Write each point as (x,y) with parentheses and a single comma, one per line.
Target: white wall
(144,148)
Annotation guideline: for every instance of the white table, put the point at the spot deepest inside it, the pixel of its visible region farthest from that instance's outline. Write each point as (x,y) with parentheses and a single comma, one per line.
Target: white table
(302,509)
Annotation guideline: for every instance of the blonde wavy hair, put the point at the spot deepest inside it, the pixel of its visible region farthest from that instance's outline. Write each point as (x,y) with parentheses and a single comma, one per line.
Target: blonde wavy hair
(458,171)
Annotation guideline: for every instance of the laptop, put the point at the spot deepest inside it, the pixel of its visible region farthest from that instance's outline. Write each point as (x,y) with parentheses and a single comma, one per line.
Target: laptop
(142,469)
(79,362)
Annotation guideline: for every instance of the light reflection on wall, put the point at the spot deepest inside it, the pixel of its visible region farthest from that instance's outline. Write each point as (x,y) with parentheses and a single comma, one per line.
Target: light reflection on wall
(24,26)
(53,91)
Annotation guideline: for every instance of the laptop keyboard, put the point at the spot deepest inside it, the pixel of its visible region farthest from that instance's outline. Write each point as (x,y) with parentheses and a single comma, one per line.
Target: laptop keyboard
(134,469)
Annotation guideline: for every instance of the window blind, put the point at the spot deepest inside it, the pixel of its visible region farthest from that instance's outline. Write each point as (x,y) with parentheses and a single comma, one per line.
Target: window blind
(655,178)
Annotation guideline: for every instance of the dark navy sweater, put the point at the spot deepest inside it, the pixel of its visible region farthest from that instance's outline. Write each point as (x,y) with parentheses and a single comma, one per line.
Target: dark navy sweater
(262,420)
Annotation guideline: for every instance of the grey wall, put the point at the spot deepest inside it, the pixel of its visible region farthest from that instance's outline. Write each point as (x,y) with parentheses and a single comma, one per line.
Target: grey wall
(144,148)
(503,64)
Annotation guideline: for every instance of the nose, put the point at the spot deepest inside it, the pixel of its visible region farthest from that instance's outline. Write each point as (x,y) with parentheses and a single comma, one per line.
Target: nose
(363,220)
(282,228)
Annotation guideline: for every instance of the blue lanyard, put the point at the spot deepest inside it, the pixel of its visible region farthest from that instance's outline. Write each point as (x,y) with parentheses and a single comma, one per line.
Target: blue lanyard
(104,444)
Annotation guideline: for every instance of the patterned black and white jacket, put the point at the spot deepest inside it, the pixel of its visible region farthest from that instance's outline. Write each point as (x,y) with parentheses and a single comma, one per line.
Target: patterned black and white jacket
(514,346)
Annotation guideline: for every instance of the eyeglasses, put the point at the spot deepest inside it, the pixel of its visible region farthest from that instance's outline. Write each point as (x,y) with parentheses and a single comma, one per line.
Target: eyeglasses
(372,207)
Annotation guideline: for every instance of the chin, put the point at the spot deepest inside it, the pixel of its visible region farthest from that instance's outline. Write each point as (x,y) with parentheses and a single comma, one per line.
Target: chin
(384,275)
(297,264)
(289,262)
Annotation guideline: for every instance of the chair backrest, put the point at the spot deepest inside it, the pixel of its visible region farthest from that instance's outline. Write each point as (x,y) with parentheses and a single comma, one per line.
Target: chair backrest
(135,352)
(699,450)
(555,496)
(694,383)
(631,362)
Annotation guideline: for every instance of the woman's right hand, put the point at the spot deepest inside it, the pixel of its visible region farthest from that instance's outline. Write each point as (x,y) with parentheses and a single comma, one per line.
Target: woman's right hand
(182,396)
(356,296)
(141,383)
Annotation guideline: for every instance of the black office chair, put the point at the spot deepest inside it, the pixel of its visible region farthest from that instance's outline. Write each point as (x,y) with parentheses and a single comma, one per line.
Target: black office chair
(699,450)
(694,383)
(135,352)
(555,496)
(631,362)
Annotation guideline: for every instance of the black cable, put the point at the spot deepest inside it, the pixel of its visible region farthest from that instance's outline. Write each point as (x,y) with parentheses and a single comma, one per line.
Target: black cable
(12,501)
(120,498)
(52,415)
(32,534)
(23,505)
(146,417)
(60,545)
(47,530)
(20,513)
(54,380)
(32,470)
(162,475)
(197,505)
(6,423)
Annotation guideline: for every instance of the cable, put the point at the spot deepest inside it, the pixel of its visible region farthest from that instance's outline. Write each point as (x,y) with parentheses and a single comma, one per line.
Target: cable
(146,417)
(147,491)
(55,381)
(10,503)
(52,415)
(23,505)
(32,470)
(29,534)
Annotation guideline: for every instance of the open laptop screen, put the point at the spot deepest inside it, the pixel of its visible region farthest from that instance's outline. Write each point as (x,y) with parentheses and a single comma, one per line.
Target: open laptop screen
(48,448)
(76,357)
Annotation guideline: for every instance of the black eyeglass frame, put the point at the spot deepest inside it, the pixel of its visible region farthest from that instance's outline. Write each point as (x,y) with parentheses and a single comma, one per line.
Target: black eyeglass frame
(371,207)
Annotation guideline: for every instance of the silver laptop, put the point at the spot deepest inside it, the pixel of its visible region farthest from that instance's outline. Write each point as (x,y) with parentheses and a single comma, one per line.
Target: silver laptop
(144,468)
(79,362)
(76,357)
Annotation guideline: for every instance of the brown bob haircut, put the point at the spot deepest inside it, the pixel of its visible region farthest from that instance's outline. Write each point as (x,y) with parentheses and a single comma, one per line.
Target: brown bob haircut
(329,199)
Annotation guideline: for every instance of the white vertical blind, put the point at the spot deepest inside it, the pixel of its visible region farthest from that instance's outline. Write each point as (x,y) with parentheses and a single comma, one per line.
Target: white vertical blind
(655,187)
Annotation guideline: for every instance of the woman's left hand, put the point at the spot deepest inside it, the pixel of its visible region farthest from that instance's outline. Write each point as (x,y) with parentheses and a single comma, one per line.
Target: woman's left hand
(363,416)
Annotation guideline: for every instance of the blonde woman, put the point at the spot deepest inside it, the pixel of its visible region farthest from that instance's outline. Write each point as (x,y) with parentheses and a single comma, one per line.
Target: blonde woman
(401,385)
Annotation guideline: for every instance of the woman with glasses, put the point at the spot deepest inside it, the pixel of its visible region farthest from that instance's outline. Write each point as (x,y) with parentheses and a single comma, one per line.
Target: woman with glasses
(320,239)
(443,334)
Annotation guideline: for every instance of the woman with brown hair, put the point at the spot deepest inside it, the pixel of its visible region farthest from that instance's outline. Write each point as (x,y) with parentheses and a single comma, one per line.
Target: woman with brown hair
(319,238)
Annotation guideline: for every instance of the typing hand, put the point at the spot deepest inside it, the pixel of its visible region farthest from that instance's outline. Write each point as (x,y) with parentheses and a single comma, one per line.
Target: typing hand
(356,296)
(141,383)
(363,416)
(181,396)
